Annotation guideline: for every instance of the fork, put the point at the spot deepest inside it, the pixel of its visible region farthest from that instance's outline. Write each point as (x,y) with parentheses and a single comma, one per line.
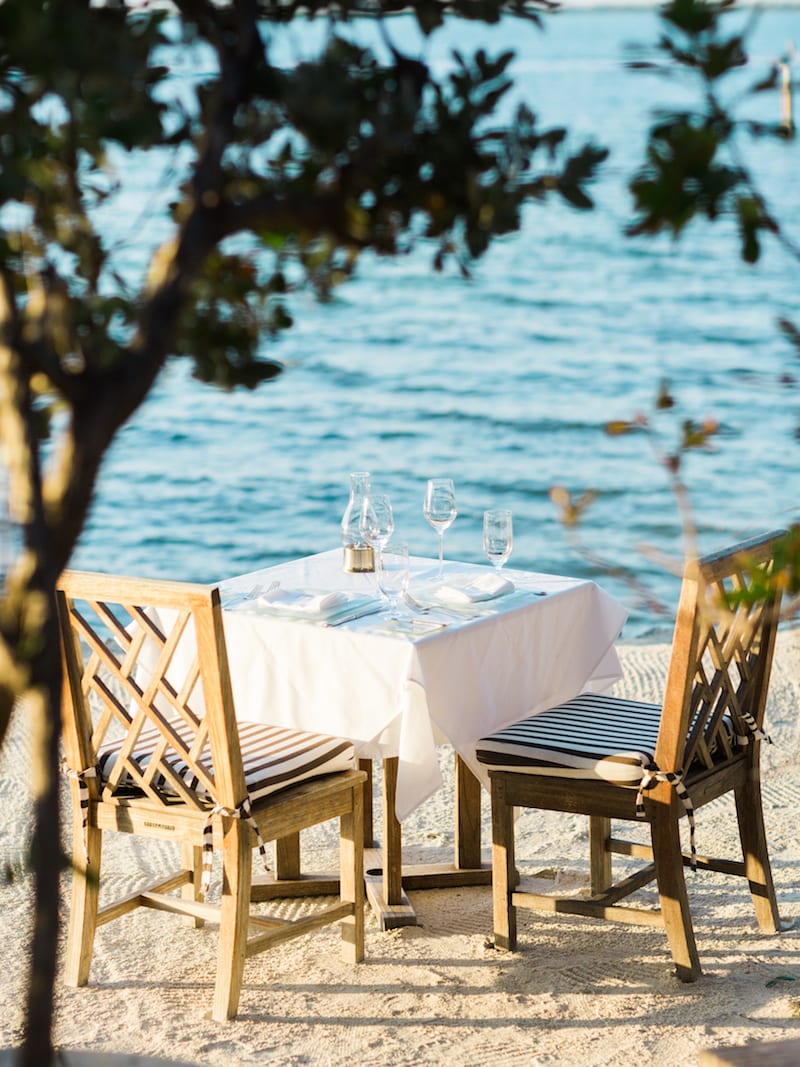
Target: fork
(251,594)
(426,609)
(415,604)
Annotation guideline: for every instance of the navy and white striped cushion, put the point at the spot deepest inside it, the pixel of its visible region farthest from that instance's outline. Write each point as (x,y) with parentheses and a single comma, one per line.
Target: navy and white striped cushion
(592,736)
(273,757)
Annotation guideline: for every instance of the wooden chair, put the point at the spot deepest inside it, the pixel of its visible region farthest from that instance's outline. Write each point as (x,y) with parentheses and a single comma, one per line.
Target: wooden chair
(153,748)
(612,758)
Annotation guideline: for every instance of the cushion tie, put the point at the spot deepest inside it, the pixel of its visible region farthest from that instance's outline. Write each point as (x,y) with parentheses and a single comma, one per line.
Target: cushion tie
(754,731)
(650,775)
(83,795)
(244,811)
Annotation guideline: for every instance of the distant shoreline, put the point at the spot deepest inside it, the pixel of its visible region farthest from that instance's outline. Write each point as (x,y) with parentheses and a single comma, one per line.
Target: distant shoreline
(565,5)
(632,5)
(642,5)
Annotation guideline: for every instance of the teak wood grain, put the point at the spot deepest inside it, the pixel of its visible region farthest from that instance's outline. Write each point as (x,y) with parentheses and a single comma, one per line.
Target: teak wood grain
(120,679)
(715,695)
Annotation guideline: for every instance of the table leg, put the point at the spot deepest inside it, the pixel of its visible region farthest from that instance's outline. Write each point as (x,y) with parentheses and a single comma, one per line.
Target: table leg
(384,868)
(392,835)
(386,879)
(467,868)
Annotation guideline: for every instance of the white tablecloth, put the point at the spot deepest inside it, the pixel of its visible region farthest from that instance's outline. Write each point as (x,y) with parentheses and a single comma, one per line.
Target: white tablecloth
(398,696)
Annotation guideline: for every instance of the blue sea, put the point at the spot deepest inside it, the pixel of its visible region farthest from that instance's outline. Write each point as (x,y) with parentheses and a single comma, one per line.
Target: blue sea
(502,382)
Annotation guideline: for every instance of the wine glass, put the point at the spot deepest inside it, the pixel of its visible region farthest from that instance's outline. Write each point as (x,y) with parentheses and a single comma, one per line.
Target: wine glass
(498,537)
(440,510)
(393,575)
(376,524)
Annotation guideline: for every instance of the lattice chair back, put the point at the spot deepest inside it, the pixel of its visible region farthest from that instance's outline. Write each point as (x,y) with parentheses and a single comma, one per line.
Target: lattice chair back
(151,737)
(148,705)
(722,654)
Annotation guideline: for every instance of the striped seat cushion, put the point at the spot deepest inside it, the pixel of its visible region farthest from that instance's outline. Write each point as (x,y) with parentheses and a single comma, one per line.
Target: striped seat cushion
(592,736)
(273,758)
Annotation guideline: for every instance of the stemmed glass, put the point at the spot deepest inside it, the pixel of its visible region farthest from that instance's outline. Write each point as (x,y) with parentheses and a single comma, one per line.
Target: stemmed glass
(440,510)
(393,575)
(498,537)
(376,524)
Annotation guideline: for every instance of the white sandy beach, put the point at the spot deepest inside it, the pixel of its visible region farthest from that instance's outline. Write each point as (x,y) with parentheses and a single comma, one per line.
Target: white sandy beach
(578,992)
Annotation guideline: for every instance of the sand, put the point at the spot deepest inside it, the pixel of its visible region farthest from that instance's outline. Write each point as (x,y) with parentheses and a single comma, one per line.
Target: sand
(578,992)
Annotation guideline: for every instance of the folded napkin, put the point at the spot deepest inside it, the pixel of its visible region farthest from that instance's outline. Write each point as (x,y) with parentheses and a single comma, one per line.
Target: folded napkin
(302,601)
(485,587)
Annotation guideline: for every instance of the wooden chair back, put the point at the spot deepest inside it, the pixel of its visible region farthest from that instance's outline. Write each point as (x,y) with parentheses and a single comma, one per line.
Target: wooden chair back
(145,661)
(721,656)
(153,749)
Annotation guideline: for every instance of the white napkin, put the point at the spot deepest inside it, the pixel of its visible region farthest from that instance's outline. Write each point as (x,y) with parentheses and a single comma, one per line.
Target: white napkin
(302,601)
(485,587)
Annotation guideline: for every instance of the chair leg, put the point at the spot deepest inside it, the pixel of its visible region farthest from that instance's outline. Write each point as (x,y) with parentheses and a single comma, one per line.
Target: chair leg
(192,861)
(351,876)
(668,859)
(369,824)
(85,895)
(287,857)
(599,856)
(756,856)
(234,915)
(504,873)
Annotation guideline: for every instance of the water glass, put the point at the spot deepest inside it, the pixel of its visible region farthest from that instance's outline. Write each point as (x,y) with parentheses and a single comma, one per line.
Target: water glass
(439,510)
(498,537)
(393,575)
(377,522)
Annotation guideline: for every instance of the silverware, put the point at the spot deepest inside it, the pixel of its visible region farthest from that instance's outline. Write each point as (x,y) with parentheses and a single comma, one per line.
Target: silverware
(415,604)
(356,613)
(426,609)
(251,594)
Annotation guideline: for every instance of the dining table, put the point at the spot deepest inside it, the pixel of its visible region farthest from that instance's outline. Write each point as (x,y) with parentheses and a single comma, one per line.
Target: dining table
(314,647)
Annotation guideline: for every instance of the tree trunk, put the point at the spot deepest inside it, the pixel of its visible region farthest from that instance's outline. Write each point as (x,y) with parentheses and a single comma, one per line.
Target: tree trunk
(42,704)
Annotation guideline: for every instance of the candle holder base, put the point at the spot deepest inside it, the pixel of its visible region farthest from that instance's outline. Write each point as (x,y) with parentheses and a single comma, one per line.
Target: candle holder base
(359,559)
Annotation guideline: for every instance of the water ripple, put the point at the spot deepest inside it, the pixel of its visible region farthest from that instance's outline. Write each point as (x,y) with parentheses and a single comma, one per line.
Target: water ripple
(503,382)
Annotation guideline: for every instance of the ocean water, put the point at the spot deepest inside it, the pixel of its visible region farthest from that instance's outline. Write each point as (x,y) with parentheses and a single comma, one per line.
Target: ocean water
(502,382)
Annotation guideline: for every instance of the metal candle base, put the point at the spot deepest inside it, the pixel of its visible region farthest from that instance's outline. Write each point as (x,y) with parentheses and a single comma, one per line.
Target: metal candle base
(359,559)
